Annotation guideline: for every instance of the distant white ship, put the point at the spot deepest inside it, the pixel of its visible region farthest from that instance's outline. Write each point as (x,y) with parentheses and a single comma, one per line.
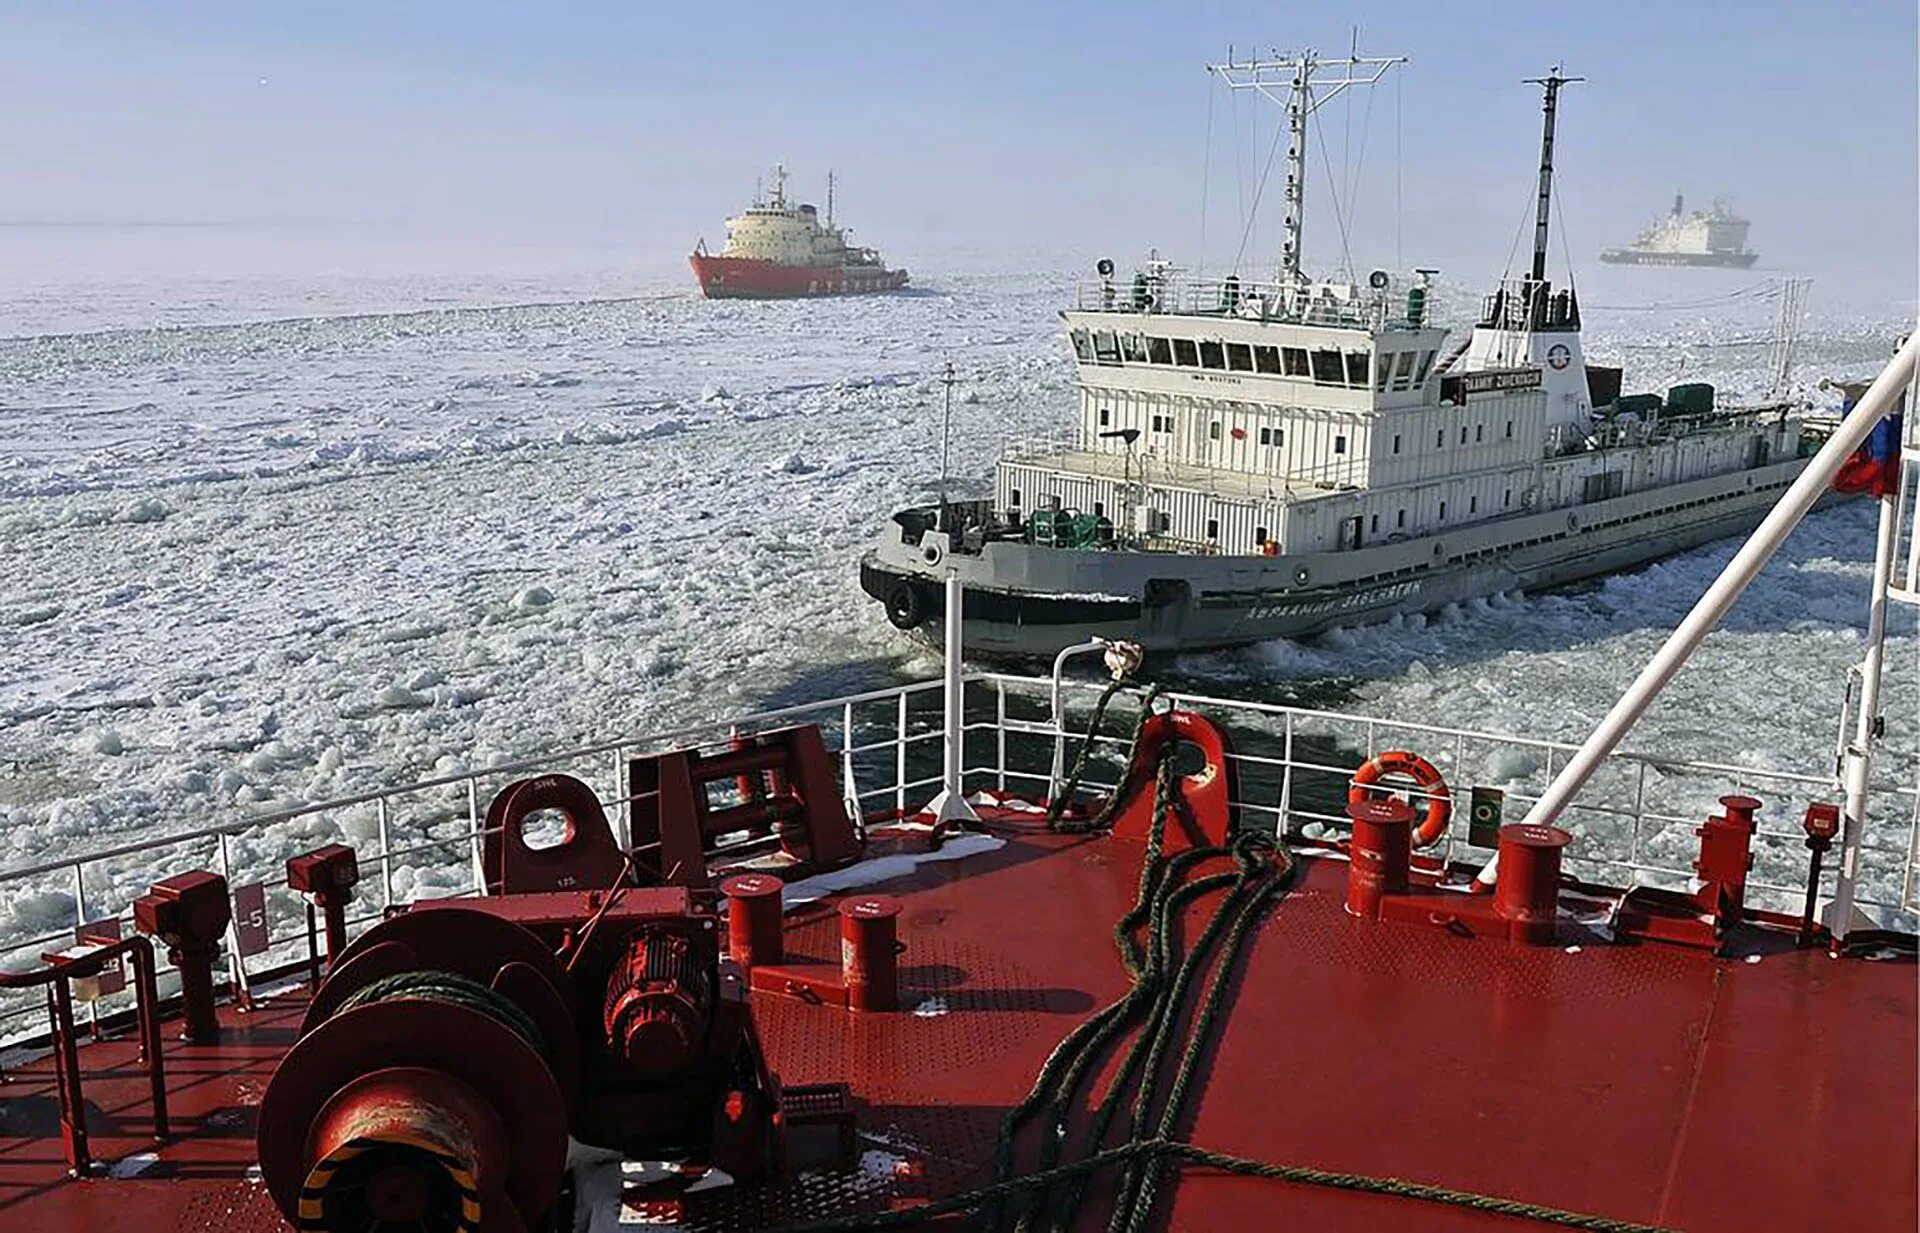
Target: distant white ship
(1715,237)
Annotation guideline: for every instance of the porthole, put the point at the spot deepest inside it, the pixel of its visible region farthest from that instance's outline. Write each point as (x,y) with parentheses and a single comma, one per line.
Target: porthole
(1300,576)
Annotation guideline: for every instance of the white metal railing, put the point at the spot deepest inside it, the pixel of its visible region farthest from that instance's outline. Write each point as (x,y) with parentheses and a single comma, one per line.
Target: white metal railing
(1329,304)
(1633,826)
(1154,467)
(421,839)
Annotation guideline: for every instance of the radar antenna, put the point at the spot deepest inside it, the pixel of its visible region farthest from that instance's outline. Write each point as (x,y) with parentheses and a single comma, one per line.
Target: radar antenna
(1309,83)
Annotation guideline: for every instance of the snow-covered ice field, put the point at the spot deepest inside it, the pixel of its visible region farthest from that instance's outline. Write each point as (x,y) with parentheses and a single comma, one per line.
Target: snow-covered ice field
(250,558)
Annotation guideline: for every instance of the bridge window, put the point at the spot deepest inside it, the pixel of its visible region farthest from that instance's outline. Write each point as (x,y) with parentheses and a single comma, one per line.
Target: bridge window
(1267,359)
(1327,368)
(1082,345)
(1357,369)
(1426,362)
(1133,348)
(1402,370)
(1383,370)
(1296,358)
(1185,354)
(1159,351)
(1239,357)
(1212,355)
(1106,348)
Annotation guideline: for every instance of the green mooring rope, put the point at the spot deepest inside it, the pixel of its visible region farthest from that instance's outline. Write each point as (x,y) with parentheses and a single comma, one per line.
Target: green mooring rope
(1049,1197)
(431,985)
(1063,800)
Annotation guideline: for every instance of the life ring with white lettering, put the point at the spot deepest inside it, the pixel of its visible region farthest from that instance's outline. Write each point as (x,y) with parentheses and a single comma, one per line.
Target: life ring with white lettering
(1428,785)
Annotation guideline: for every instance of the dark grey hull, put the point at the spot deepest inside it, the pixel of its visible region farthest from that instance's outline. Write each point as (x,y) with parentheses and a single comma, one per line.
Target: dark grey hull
(1024,601)
(1720,261)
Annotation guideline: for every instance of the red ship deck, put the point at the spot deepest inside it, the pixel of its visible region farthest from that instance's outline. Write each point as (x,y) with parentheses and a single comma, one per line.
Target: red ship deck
(1770,1090)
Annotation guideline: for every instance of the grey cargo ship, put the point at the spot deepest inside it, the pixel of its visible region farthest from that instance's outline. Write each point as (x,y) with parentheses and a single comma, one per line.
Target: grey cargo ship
(1265,460)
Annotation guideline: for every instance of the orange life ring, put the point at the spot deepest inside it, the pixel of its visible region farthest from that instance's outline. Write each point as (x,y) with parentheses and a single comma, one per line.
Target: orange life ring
(1426,780)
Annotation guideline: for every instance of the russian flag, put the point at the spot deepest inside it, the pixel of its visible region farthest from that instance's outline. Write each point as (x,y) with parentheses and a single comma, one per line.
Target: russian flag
(1874,467)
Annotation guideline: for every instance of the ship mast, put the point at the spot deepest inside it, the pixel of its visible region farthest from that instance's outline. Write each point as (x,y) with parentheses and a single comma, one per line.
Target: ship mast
(1550,85)
(829,199)
(1309,83)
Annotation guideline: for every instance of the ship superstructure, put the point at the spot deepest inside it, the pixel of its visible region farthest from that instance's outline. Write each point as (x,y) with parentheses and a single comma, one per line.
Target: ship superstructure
(1268,459)
(778,249)
(1713,237)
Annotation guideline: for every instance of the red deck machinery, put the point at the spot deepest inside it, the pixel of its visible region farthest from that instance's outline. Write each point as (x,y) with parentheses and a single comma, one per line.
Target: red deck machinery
(454,1047)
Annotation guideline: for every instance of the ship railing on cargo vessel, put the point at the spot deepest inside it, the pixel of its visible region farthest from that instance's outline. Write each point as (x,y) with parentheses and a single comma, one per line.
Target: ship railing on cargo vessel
(1525,304)
(1152,468)
(1340,305)
(1634,825)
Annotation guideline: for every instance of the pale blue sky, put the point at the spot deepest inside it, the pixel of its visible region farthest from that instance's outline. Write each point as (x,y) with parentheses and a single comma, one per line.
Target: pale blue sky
(959,128)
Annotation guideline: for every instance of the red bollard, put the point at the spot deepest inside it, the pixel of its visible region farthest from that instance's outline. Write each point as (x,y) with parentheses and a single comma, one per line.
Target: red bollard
(1527,894)
(1740,811)
(755,928)
(869,953)
(1726,854)
(1379,855)
(189,912)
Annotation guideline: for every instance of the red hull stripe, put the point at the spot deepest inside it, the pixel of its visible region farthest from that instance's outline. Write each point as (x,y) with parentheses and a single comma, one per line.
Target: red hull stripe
(739,278)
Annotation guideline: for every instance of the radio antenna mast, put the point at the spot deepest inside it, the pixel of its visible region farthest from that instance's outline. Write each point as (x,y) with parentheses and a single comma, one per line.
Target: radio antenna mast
(1550,87)
(1301,84)
(946,438)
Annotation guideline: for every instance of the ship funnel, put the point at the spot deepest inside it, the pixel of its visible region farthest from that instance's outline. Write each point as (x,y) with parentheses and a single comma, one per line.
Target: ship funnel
(1679,204)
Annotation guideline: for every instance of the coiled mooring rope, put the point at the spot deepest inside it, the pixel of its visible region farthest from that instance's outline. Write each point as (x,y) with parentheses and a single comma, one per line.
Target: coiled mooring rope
(433,985)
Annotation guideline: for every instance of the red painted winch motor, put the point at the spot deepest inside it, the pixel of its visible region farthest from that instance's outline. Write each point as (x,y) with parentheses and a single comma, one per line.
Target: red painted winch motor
(455,1046)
